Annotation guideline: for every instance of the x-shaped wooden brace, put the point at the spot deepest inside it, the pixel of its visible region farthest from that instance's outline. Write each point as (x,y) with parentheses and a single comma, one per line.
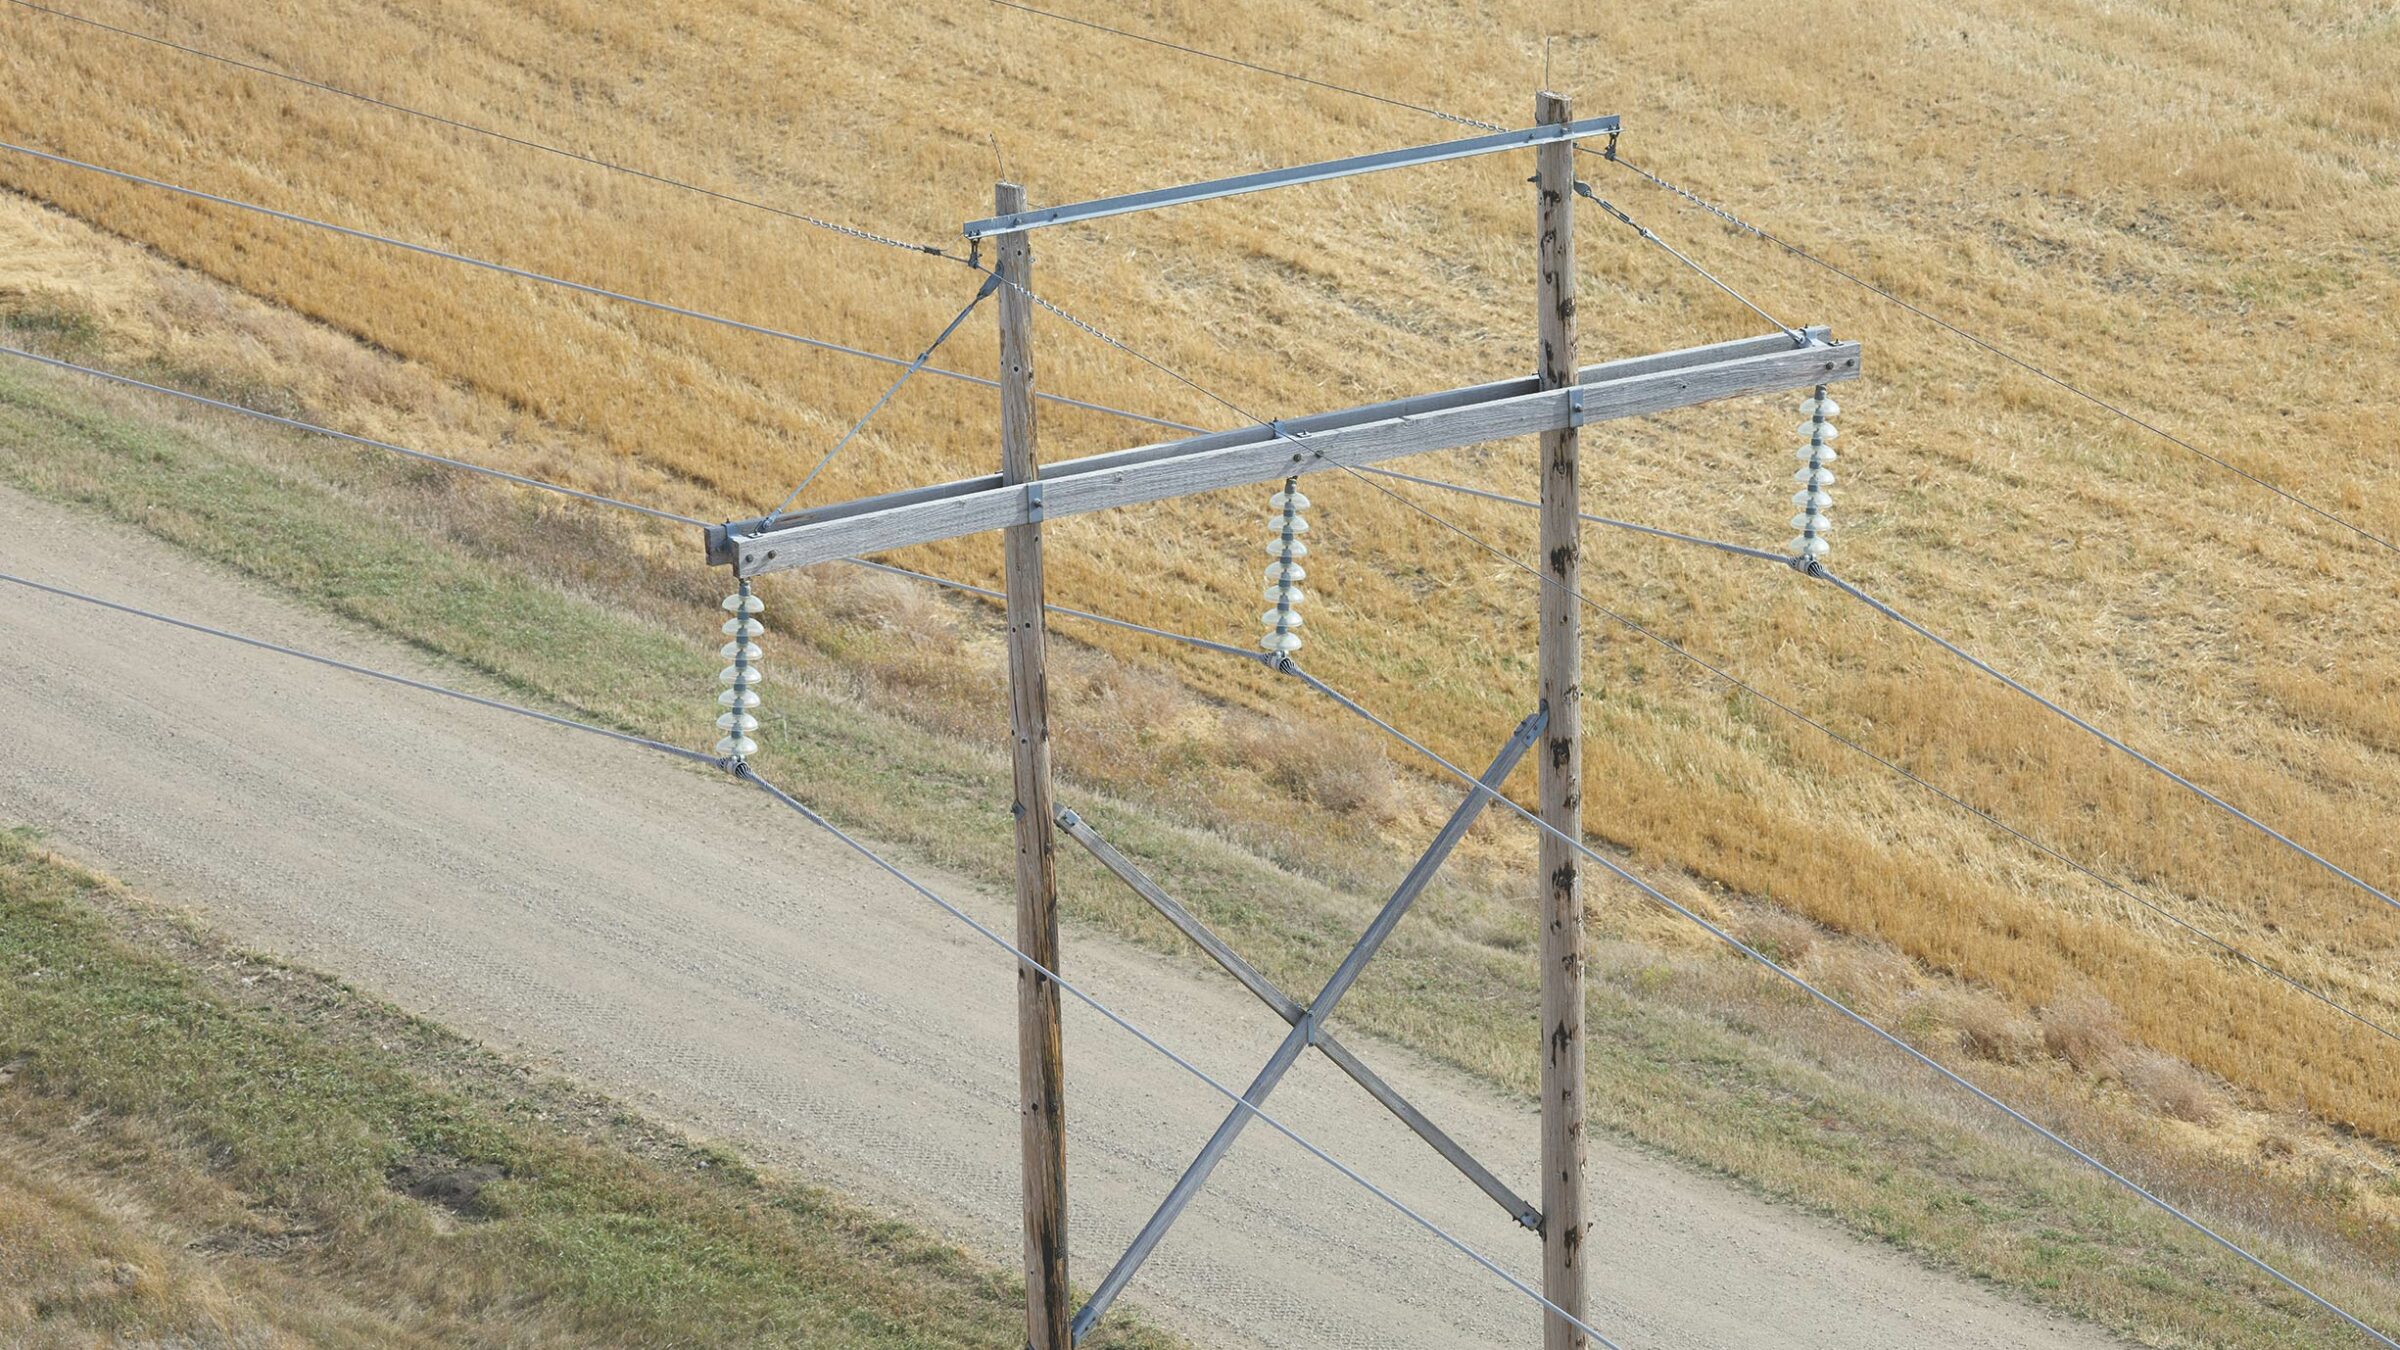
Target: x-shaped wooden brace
(1307,1023)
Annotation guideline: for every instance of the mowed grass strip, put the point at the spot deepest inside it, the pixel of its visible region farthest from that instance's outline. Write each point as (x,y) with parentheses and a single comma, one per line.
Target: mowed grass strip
(1688,1057)
(182,1166)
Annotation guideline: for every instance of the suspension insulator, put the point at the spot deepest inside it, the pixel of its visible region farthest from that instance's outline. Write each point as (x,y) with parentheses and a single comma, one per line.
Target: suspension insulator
(742,677)
(1812,498)
(1285,573)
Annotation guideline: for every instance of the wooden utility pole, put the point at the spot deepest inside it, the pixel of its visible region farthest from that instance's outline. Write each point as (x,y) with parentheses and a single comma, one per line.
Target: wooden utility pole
(1041,1055)
(1559,770)
(1554,403)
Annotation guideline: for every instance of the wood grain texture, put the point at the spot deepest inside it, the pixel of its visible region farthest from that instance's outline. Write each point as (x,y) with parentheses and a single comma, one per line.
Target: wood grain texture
(1041,1052)
(1261,456)
(1559,768)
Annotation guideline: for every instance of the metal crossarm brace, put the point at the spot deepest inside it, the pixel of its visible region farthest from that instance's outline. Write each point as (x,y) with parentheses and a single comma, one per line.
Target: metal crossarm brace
(1251,979)
(1352,436)
(1275,178)
(1308,1029)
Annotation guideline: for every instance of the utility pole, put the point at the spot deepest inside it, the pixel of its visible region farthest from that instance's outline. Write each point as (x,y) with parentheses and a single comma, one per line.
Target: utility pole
(1041,1054)
(1554,402)
(1559,769)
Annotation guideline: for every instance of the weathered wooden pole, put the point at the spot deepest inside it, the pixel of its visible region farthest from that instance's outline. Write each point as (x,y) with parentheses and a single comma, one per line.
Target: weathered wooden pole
(1041,1055)
(1559,769)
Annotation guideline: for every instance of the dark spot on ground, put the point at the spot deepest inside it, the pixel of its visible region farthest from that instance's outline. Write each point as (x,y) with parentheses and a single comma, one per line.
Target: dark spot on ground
(453,1185)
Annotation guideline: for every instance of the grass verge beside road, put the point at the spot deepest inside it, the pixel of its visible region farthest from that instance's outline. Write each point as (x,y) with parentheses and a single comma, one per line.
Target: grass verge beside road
(201,1147)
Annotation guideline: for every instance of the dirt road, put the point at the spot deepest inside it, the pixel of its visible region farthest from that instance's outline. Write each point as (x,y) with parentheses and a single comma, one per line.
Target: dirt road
(679,941)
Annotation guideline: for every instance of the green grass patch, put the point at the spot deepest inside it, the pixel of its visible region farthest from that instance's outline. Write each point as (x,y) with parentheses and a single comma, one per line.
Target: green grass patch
(336,1184)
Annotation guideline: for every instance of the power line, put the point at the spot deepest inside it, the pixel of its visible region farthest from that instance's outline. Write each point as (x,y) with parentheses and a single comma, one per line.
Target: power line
(1742,550)
(1535,572)
(313,429)
(2003,353)
(1289,667)
(543,278)
(741,770)
(1246,65)
(1895,766)
(850,231)
(2187,784)
(1241,1103)
(1087,616)
(1902,770)
(1630,878)
(386,676)
(1795,250)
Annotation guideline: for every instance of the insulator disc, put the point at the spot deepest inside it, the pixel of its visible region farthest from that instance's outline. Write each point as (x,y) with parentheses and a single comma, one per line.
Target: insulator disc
(1280,642)
(738,698)
(739,675)
(737,746)
(736,722)
(1814,523)
(1822,478)
(1811,499)
(1822,454)
(1285,573)
(1284,595)
(1283,616)
(1822,431)
(742,628)
(745,651)
(1297,501)
(743,604)
(1296,524)
(1278,548)
(1804,547)
(1812,407)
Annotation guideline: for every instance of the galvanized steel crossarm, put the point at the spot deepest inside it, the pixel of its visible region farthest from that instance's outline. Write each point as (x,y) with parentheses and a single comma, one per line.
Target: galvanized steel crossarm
(1260,453)
(1275,178)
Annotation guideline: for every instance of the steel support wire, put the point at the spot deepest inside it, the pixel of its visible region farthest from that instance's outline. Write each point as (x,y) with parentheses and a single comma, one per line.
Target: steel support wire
(581,288)
(1895,766)
(991,284)
(744,772)
(2187,784)
(314,430)
(1289,667)
(1584,190)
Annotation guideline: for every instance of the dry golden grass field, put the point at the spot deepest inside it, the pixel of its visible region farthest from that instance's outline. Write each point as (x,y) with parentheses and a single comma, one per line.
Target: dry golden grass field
(2192,209)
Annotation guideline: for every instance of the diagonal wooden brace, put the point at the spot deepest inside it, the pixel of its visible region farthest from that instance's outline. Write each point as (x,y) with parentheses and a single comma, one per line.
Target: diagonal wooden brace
(1257,983)
(1309,1028)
